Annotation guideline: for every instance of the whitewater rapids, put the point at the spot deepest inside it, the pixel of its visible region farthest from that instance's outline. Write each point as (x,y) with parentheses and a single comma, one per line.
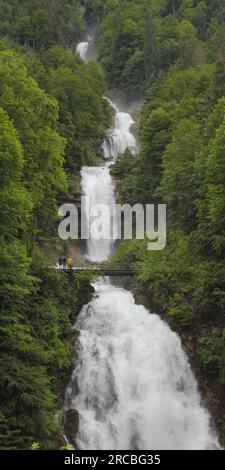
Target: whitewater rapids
(134,386)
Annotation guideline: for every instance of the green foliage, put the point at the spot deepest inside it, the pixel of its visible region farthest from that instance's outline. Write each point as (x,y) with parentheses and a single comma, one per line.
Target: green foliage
(26,396)
(178,186)
(38,88)
(83,113)
(215,170)
(35,446)
(121,39)
(15,205)
(181,313)
(94,10)
(139,40)
(125,169)
(189,47)
(36,310)
(181,163)
(34,115)
(211,350)
(40,23)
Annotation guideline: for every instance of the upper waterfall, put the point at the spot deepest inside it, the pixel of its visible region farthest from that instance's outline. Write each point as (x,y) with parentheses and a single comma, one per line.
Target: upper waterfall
(82,49)
(119,137)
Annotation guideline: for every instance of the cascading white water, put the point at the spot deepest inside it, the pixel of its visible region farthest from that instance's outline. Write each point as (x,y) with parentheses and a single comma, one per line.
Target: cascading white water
(120,138)
(82,49)
(97,186)
(135,386)
(132,385)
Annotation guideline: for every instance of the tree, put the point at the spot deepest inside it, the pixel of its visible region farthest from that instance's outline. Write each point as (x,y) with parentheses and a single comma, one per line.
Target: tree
(215,187)
(83,113)
(27,403)
(151,53)
(155,136)
(34,115)
(41,24)
(188,44)
(178,186)
(15,204)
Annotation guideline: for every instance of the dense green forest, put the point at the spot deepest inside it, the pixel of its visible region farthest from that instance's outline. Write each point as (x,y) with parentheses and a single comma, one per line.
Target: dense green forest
(52,121)
(140,41)
(182,159)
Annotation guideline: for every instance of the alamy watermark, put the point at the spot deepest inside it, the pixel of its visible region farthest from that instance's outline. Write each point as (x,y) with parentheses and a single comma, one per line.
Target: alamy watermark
(116,222)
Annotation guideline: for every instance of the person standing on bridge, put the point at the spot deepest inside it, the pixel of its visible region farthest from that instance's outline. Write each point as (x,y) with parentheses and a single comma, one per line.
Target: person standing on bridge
(64,262)
(70,262)
(61,262)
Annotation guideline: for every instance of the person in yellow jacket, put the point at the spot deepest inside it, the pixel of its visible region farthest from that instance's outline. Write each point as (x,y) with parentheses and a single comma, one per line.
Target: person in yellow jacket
(70,262)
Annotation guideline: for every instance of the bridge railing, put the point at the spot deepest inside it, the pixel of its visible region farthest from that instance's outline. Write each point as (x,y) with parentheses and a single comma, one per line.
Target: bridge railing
(100,267)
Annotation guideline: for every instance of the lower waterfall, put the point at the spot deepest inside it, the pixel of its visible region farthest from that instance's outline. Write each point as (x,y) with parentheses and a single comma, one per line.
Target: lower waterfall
(134,386)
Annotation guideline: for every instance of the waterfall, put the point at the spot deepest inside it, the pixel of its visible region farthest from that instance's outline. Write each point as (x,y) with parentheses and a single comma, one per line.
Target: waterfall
(82,49)
(135,386)
(97,186)
(132,384)
(120,138)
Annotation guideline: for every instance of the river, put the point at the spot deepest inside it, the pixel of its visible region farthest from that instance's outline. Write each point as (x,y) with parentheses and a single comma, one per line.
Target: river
(132,383)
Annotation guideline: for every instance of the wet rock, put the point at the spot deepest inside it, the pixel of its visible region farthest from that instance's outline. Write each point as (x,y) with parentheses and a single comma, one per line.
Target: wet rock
(71,424)
(62,441)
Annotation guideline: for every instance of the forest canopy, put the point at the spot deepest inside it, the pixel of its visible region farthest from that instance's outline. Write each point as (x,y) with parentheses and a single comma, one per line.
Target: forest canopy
(182,158)
(141,40)
(52,120)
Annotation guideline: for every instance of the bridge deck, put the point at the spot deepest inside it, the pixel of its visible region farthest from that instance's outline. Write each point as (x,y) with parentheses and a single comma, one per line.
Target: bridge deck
(102,270)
